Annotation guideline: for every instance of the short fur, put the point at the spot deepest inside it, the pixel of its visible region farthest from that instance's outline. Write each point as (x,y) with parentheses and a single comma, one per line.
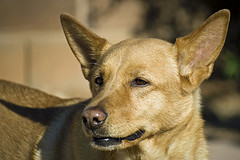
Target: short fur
(145,91)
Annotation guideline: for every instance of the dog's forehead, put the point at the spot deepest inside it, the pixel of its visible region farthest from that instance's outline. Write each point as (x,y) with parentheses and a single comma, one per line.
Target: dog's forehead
(140,52)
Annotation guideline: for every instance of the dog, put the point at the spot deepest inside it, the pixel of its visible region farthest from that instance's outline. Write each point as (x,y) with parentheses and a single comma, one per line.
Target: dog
(145,101)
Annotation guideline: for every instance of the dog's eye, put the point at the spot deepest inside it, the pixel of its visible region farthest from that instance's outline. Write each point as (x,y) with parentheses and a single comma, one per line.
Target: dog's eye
(138,82)
(99,81)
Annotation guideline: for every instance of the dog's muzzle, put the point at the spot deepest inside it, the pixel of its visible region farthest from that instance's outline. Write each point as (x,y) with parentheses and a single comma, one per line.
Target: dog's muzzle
(93,118)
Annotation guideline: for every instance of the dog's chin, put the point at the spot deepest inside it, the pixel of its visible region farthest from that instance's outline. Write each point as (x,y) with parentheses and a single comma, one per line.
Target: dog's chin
(111,143)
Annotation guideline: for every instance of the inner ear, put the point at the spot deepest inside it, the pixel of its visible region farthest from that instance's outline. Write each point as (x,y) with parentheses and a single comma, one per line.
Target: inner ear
(198,51)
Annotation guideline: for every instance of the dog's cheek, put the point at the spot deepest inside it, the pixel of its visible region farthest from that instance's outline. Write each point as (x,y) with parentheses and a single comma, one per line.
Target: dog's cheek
(150,109)
(156,112)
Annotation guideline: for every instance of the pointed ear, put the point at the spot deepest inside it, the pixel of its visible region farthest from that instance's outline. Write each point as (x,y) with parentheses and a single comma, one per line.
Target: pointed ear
(198,51)
(86,46)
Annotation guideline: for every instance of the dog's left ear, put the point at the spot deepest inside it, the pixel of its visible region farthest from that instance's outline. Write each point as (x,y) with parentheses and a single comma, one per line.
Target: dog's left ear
(86,45)
(198,51)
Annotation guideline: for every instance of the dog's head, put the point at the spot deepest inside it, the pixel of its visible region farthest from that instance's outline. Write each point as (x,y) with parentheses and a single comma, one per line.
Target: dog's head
(142,87)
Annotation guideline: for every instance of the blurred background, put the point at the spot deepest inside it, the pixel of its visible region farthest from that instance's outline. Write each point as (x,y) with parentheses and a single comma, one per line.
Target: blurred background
(34,51)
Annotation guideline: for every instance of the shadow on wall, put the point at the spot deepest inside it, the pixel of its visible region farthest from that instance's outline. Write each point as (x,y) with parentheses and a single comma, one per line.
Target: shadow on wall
(168,19)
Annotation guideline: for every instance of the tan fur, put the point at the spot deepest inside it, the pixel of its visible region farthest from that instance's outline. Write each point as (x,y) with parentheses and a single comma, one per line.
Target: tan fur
(166,109)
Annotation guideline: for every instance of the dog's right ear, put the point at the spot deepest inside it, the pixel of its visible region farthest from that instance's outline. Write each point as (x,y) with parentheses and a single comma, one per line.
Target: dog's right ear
(86,46)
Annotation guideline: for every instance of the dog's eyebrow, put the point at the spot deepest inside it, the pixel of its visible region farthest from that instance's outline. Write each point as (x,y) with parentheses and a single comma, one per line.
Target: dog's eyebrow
(108,86)
(116,73)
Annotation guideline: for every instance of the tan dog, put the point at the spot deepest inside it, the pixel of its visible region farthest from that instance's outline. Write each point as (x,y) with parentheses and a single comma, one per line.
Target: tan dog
(145,104)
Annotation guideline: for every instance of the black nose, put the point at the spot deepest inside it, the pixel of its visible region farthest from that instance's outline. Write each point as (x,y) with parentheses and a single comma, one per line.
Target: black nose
(94,117)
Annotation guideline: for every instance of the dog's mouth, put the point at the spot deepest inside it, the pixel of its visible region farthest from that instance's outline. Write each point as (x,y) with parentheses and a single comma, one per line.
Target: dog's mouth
(111,141)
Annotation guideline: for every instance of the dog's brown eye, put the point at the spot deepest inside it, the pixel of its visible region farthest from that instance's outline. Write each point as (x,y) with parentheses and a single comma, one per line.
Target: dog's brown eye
(99,80)
(138,82)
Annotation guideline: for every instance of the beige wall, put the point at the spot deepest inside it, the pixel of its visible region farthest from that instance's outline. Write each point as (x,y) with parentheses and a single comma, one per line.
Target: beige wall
(34,51)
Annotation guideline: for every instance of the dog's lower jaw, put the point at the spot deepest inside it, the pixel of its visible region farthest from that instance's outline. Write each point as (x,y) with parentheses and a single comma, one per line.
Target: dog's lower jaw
(164,145)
